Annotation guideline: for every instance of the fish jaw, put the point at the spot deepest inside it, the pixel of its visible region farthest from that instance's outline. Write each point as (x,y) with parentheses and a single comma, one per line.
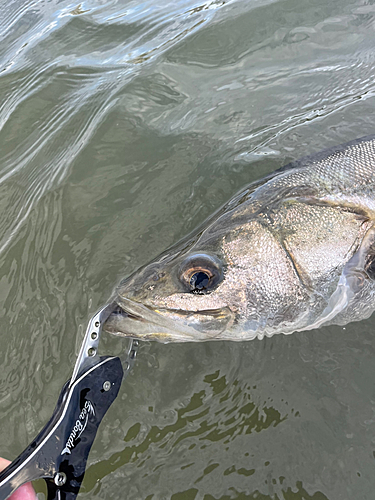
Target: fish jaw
(135,320)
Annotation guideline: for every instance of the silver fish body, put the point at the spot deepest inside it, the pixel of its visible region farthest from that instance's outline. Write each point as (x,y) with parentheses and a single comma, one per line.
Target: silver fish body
(292,252)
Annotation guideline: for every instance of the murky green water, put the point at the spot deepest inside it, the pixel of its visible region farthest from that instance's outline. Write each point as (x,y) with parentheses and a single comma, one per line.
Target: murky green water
(123,126)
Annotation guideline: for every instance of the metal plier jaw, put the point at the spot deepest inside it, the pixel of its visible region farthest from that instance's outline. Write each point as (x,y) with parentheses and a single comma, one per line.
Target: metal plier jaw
(59,453)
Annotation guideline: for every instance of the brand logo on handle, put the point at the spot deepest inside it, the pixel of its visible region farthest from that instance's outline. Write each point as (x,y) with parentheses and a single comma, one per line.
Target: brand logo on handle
(79,427)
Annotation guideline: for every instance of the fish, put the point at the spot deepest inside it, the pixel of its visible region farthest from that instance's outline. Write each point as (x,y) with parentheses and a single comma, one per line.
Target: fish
(291,252)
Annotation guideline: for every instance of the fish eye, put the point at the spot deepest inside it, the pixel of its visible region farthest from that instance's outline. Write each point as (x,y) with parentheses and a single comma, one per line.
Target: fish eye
(199,281)
(201,273)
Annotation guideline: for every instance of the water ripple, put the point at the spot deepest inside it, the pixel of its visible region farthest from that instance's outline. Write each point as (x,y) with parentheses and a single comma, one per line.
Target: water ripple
(123,125)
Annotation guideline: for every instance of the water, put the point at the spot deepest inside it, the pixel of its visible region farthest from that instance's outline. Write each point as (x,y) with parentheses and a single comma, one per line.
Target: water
(123,126)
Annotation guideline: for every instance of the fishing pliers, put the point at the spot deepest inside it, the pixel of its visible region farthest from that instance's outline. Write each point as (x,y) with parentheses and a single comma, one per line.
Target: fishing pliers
(59,453)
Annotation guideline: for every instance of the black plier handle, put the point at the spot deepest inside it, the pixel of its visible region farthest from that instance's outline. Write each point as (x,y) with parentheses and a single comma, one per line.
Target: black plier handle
(59,453)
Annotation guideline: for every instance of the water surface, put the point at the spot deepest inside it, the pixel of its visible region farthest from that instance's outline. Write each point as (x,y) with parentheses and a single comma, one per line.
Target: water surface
(123,125)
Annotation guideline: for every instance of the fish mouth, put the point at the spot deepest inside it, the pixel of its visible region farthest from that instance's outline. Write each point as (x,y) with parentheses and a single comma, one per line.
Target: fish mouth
(135,320)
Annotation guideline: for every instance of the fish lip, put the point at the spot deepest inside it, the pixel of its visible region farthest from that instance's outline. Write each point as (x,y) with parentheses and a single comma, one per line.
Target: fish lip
(136,320)
(140,312)
(119,310)
(136,310)
(144,322)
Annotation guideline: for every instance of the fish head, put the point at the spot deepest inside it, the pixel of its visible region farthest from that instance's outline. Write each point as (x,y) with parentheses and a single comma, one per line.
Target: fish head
(293,252)
(244,279)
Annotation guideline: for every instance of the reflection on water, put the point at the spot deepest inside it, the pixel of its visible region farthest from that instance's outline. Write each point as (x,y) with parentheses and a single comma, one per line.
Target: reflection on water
(123,125)
(195,424)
